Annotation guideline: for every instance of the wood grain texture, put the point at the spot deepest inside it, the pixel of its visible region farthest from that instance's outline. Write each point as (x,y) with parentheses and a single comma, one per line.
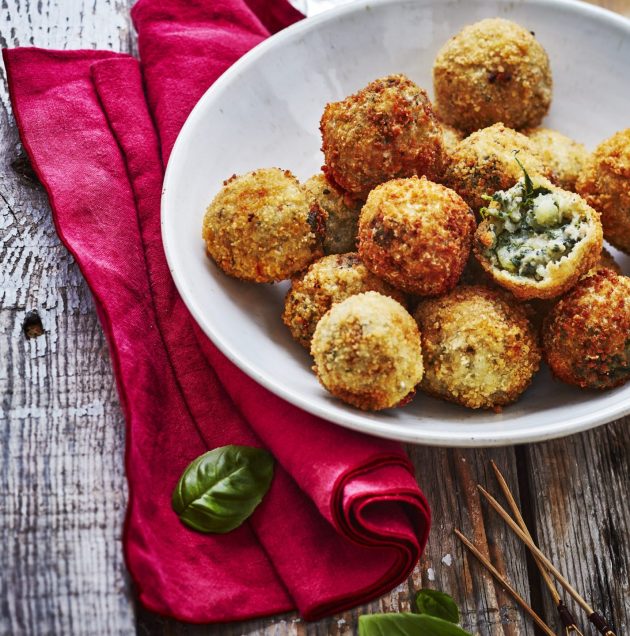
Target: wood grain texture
(582,488)
(62,488)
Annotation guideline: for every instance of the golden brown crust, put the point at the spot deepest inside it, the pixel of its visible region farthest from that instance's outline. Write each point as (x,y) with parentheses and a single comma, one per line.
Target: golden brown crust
(586,336)
(478,346)
(564,157)
(491,71)
(483,163)
(342,214)
(367,352)
(605,184)
(416,235)
(386,130)
(260,226)
(326,282)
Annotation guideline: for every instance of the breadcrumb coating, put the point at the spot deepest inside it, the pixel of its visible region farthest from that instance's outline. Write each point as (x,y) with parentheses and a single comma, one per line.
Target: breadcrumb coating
(260,227)
(492,71)
(564,157)
(384,131)
(534,257)
(416,235)
(478,346)
(483,163)
(605,184)
(326,282)
(586,335)
(342,214)
(367,352)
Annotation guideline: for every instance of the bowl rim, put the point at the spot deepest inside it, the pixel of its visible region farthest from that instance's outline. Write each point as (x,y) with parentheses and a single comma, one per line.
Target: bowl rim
(349,419)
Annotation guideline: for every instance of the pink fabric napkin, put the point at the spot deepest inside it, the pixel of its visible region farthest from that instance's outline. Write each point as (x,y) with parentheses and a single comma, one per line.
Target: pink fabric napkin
(344,520)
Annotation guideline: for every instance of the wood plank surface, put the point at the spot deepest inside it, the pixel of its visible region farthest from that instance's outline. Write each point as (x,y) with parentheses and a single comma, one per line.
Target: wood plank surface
(62,487)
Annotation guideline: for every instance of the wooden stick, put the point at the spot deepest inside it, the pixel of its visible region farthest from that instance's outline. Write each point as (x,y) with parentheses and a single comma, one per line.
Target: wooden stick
(535,550)
(566,618)
(596,618)
(521,522)
(497,575)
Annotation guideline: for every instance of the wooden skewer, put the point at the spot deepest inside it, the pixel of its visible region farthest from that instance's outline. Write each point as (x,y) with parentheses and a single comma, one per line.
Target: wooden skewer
(497,575)
(595,618)
(521,522)
(566,618)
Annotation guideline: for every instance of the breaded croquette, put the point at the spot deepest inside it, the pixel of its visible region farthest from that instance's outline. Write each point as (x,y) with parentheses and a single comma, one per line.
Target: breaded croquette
(416,235)
(492,71)
(367,352)
(586,336)
(479,348)
(385,131)
(605,184)
(260,227)
(483,163)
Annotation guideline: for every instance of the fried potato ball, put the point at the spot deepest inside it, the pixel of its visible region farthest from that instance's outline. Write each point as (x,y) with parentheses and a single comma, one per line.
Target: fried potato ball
(483,163)
(260,228)
(605,184)
(492,71)
(586,336)
(367,352)
(342,214)
(328,281)
(564,157)
(479,349)
(386,130)
(416,235)
(537,240)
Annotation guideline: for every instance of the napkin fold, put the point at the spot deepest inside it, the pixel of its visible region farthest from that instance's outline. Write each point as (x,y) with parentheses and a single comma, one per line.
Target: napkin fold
(344,520)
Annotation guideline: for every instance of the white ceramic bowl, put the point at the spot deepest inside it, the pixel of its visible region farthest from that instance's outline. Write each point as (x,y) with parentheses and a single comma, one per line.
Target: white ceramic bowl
(265,111)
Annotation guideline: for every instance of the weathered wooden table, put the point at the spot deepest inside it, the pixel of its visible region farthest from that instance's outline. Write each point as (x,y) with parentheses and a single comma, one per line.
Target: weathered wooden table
(62,486)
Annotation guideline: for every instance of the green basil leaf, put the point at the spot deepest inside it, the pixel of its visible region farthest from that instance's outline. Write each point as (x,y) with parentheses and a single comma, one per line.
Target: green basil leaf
(439,604)
(221,488)
(405,624)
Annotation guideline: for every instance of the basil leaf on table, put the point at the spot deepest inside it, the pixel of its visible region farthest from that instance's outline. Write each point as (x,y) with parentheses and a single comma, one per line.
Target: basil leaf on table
(439,604)
(406,624)
(220,489)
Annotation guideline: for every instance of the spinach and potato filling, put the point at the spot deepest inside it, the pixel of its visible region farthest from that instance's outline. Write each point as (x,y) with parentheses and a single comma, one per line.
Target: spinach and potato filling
(530,228)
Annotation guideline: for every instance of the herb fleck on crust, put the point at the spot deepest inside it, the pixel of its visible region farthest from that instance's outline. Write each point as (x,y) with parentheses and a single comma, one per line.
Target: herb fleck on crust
(586,335)
(386,130)
(260,227)
(367,352)
(479,348)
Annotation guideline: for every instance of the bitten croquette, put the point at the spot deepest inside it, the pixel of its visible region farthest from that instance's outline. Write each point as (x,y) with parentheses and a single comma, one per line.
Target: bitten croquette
(492,71)
(386,130)
(605,184)
(564,157)
(483,163)
(260,227)
(479,348)
(586,336)
(342,214)
(367,352)
(328,281)
(416,235)
(537,240)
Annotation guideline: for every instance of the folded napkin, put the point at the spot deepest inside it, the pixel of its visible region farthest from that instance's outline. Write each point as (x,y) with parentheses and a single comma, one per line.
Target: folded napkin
(344,520)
